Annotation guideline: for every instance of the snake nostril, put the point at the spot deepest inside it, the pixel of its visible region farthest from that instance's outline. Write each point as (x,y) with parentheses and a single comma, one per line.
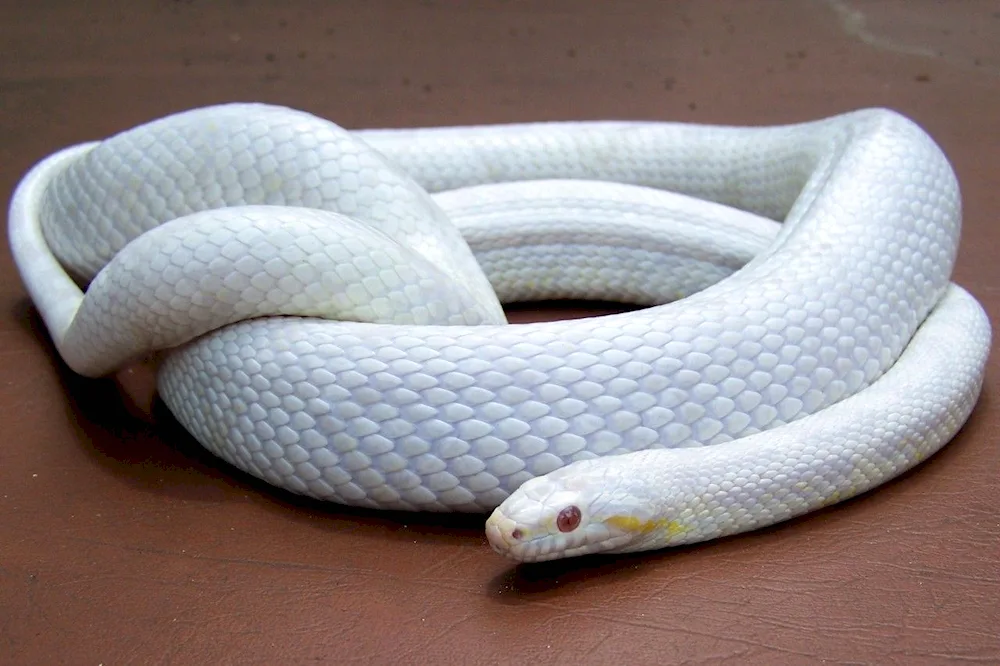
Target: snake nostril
(516,534)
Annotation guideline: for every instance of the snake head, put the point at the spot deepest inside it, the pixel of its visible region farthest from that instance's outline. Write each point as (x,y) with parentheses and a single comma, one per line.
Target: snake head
(576,510)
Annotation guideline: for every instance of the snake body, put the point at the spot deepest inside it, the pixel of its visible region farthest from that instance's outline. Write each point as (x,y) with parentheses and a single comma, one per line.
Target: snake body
(331,303)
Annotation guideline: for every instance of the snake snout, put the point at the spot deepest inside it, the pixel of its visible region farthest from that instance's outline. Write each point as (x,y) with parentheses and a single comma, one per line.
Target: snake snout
(503,533)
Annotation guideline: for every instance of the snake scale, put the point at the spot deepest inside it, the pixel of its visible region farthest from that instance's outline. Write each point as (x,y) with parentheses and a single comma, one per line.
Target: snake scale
(331,306)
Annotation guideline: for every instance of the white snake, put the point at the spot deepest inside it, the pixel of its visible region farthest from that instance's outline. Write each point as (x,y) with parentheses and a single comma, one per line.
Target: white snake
(331,332)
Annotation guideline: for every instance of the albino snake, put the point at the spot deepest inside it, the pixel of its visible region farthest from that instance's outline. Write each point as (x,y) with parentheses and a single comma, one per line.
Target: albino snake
(332,332)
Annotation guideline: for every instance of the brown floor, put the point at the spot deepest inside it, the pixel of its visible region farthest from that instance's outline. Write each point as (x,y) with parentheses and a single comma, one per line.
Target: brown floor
(122,542)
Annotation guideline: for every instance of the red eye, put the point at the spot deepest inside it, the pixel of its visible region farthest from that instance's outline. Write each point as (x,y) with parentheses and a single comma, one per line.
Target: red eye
(568,519)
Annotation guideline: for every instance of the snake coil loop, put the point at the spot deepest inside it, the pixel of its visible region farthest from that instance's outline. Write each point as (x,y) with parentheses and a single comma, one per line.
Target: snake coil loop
(331,303)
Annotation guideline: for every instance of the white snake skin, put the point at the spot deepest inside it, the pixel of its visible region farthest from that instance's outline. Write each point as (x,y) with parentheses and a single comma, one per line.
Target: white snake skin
(337,331)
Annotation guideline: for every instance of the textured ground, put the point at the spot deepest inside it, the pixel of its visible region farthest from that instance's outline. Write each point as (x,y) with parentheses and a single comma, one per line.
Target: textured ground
(123,542)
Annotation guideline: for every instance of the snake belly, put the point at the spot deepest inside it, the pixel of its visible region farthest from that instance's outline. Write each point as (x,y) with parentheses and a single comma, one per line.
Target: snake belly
(331,331)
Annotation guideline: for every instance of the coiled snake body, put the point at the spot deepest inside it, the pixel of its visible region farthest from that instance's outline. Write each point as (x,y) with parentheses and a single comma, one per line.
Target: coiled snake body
(337,331)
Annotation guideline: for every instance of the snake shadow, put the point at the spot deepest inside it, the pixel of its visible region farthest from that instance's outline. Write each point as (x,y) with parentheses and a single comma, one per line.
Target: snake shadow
(522,583)
(161,457)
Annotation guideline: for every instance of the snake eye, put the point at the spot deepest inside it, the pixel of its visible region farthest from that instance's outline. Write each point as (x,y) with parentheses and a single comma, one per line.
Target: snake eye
(568,519)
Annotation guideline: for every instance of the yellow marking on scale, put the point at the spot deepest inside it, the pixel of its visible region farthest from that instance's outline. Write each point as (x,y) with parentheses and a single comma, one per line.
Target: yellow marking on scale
(633,524)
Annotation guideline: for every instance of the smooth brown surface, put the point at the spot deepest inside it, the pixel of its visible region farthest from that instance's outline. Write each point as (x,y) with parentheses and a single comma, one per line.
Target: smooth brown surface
(123,542)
